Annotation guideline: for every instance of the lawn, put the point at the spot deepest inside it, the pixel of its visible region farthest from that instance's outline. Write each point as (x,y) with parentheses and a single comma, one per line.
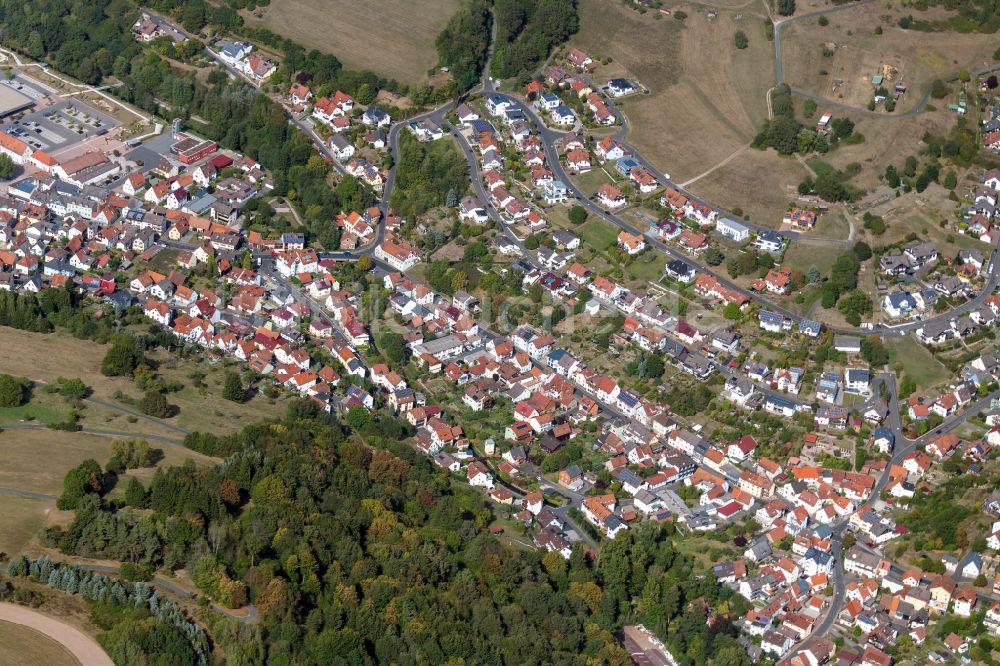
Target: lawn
(389,37)
(831,224)
(598,234)
(44,357)
(801,254)
(819,167)
(647,267)
(23,645)
(589,182)
(918,363)
(43,408)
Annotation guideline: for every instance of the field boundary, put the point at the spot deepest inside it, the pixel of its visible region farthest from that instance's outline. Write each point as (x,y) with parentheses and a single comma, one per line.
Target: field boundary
(84,648)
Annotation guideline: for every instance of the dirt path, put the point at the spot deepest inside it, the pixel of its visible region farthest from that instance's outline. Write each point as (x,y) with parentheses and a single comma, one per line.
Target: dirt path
(717,166)
(82,646)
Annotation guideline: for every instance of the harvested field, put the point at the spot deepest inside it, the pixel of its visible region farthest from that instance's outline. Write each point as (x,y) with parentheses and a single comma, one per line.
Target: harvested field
(18,642)
(707,98)
(389,37)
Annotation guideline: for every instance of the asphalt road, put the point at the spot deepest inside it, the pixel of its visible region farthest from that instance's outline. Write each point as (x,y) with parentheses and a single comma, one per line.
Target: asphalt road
(549,137)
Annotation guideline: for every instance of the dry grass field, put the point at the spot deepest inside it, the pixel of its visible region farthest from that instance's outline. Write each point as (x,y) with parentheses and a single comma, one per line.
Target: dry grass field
(37,460)
(760,182)
(23,518)
(706,99)
(392,38)
(857,54)
(887,140)
(45,357)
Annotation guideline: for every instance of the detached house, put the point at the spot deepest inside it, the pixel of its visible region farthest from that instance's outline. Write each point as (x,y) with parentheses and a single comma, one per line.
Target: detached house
(610,196)
(631,243)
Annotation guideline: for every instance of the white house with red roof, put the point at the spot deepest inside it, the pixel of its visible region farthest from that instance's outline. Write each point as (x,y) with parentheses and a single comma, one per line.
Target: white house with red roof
(610,196)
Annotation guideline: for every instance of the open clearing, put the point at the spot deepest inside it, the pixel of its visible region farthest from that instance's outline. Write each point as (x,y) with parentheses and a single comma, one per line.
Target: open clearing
(887,141)
(707,98)
(856,54)
(918,363)
(54,641)
(45,357)
(760,182)
(392,38)
(37,460)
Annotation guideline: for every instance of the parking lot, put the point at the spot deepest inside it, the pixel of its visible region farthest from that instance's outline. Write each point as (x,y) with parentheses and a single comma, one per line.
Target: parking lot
(60,126)
(152,151)
(28,86)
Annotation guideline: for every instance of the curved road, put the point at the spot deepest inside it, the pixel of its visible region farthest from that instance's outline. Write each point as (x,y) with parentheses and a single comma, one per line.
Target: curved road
(549,137)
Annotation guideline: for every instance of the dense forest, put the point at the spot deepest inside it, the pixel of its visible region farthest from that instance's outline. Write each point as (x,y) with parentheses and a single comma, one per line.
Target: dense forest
(355,549)
(528,30)
(428,175)
(464,43)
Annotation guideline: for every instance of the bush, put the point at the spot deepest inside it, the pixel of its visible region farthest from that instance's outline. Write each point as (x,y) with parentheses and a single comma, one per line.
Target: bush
(84,479)
(131,453)
(577,214)
(122,358)
(154,404)
(13,390)
(233,389)
(741,40)
(72,389)
(786,7)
